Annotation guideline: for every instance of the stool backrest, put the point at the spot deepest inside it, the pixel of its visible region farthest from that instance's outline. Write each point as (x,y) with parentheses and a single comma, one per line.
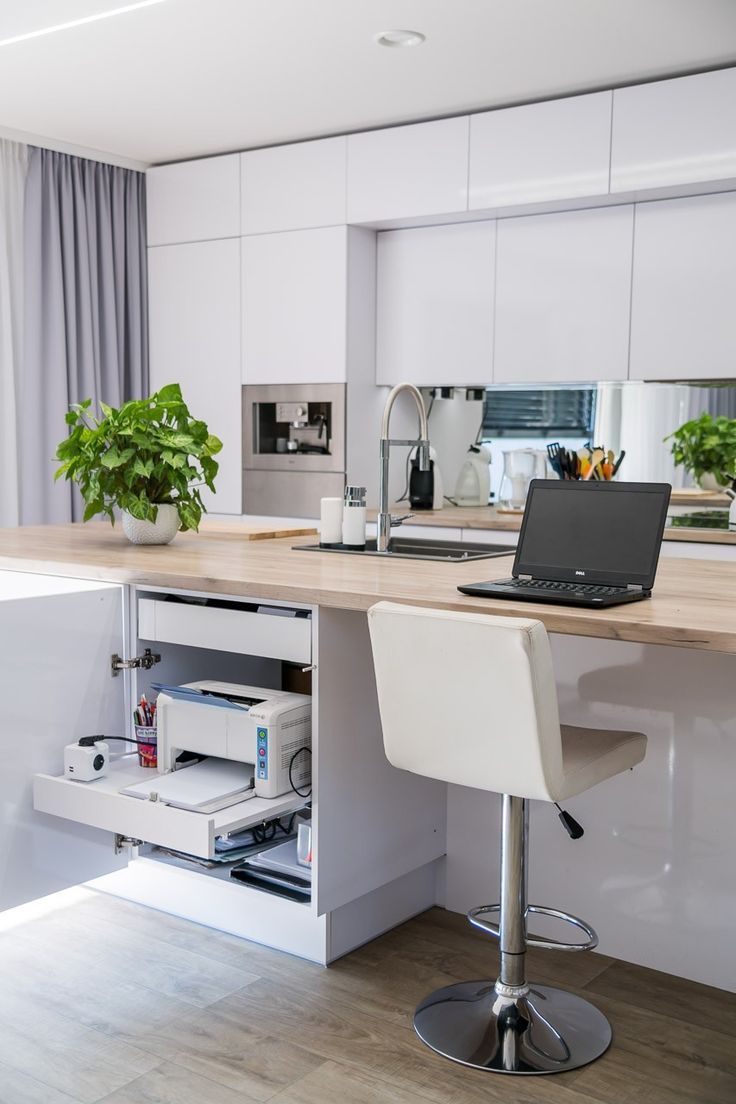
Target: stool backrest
(468,698)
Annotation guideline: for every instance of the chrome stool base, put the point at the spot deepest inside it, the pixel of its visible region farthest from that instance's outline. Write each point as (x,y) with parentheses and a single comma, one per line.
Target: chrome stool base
(545,1031)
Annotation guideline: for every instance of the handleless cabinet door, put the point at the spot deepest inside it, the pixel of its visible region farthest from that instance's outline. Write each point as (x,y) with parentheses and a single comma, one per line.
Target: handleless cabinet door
(559,149)
(294,306)
(194,201)
(683,323)
(435,304)
(563,287)
(408,171)
(194,296)
(680,131)
(294,187)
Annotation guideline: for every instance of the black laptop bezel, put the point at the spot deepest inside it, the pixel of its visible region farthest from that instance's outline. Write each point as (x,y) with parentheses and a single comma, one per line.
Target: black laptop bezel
(573,575)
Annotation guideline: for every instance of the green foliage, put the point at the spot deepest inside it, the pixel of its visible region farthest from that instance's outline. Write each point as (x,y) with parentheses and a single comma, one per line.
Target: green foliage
(147,453)
(706,444)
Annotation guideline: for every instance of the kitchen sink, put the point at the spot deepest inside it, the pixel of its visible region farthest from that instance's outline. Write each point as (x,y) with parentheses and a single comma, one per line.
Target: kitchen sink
(413,548)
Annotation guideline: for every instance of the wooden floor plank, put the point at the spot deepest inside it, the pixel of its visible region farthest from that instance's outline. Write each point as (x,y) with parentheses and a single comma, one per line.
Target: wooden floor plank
(19,1088)
(677,998)
(170,1084)
(235,1022)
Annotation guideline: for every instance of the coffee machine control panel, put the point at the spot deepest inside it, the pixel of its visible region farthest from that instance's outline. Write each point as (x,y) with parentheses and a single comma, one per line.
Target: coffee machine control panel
(297,413)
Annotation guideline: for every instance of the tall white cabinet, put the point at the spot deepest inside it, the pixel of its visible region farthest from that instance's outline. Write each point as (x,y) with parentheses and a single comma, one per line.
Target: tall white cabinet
(563,286)
(194,297)
(435,304)
(294,306)
(674,132)
(558,149)
(194,201)
(683,322)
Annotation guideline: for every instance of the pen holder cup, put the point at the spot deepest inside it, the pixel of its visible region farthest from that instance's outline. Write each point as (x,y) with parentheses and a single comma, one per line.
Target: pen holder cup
(147,747)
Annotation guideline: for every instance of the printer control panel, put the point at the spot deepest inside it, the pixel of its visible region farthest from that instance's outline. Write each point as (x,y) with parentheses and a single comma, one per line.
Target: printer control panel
(262,768)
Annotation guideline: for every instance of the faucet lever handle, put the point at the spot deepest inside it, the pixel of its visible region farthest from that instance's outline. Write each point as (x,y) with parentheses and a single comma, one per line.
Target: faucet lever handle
(395,521)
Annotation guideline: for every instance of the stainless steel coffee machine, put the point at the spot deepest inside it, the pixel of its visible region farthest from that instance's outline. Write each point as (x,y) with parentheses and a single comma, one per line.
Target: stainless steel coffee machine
(293,447)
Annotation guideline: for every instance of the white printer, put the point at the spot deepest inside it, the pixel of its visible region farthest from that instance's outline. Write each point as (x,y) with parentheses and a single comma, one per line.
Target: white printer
(247,724)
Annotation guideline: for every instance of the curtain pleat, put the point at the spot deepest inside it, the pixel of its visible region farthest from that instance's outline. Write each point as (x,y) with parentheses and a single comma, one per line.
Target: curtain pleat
(86,312)
(13,163)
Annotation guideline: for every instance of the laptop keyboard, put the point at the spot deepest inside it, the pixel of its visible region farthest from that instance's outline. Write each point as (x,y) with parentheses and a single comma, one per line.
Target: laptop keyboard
(564,588)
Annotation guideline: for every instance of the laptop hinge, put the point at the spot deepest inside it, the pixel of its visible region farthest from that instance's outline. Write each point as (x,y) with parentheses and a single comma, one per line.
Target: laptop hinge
(525,578)
(634,586)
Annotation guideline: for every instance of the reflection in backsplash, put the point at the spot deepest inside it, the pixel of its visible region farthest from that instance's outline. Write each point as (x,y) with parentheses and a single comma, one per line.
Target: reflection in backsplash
(634,416)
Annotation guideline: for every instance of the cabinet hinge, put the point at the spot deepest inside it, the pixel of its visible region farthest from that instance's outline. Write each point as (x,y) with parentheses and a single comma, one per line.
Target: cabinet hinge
(145,662)
(122,843)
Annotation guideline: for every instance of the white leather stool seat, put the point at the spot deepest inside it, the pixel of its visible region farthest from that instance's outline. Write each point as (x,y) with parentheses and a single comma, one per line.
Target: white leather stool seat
(591,755)
(471,698)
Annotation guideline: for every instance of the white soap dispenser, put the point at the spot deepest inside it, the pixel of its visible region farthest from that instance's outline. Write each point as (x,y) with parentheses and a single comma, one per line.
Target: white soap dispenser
(353,519)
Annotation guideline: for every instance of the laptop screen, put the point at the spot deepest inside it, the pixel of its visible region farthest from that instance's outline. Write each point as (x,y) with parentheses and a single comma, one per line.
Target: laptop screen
(592,531)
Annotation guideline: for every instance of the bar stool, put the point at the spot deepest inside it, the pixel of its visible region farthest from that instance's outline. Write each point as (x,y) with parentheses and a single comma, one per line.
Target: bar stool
(471,699)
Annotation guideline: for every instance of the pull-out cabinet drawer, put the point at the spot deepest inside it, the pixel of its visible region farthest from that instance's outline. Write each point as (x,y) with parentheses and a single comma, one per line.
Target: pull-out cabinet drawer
(273,632)
(100,804)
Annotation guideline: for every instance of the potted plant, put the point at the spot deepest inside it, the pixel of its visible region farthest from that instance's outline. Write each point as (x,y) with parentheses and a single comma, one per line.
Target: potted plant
(148,458)
(706,447)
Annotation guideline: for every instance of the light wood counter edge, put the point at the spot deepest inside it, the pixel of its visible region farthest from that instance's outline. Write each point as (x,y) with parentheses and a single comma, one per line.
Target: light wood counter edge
(694,603)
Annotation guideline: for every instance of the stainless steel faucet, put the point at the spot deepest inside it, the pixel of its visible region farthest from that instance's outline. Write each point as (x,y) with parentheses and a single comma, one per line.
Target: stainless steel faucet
(385,521)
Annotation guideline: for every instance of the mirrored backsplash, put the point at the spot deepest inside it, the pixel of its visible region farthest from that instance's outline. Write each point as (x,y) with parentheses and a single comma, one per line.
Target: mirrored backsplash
(635,417)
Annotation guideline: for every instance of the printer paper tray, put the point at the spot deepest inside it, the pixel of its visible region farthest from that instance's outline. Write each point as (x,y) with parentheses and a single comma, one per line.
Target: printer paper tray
(101,805)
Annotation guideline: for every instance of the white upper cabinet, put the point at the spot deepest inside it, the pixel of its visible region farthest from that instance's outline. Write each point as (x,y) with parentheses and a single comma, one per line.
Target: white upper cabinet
(563,285)
(435,304)
(194,201)
(294,306)
(539,152)
(294,187)
(408,171)
(683,322)
(680,131)
(194,296)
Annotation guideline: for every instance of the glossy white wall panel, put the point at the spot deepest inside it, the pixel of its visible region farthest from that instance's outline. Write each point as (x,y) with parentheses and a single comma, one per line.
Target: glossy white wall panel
(559,149)
(677,131)
(194,295)
(435,304)
(683,323)
(294,306)
(406,171)
(294,187)
(655,873)
(563,286)
(194,200)
(56,639)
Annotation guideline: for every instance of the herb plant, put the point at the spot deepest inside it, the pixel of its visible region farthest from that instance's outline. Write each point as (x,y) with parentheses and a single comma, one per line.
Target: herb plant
(147,453)
(707,444)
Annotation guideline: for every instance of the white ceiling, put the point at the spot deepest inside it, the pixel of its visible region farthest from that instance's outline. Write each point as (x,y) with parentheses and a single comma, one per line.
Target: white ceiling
(185,78)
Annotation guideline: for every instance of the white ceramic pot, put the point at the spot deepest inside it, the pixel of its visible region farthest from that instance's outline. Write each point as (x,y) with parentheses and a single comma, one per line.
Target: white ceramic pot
(709,482)
(161,531)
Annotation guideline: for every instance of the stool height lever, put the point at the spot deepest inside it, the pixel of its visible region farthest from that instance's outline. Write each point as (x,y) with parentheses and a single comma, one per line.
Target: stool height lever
(571,826)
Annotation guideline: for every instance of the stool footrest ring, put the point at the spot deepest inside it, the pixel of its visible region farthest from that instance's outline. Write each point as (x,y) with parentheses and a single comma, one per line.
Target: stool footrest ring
(476,916)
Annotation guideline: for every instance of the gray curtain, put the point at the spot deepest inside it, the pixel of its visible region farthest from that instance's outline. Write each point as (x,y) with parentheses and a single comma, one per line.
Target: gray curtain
(86,312)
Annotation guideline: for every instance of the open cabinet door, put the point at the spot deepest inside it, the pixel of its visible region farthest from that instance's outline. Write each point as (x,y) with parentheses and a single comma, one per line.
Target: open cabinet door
(56,640)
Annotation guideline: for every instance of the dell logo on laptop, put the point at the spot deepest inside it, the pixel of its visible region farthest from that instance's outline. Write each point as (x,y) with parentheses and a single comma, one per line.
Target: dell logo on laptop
(580,573)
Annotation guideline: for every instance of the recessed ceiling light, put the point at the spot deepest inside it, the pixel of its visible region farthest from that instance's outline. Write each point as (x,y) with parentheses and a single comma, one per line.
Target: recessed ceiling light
(78,22)
(400,38)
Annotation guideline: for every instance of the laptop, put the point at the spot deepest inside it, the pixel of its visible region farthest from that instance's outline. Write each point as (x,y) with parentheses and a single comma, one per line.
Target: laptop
(585,543)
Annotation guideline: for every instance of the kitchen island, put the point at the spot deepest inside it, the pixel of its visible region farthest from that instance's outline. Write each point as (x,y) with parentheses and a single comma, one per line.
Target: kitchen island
(657,856)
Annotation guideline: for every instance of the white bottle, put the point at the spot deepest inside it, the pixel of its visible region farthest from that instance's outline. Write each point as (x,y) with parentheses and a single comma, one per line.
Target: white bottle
(330,522)
(353,519)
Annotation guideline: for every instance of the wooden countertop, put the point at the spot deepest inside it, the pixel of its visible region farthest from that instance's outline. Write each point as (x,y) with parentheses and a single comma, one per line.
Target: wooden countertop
(490,518)
(694,603)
